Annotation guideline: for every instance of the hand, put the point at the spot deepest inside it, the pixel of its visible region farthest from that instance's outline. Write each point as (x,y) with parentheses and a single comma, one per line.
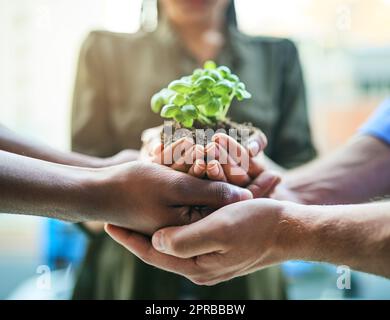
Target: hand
(145,196)
(151,140)
(239,165)
(233,241)
(236,164)
(226,160)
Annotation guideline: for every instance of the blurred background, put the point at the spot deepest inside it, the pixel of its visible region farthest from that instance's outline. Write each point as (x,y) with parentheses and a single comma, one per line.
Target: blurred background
(345,52)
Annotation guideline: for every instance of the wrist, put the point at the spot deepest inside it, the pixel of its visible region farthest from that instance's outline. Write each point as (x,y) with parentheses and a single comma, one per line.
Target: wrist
(61,191)
(86,193)
(295,234)
(106,191)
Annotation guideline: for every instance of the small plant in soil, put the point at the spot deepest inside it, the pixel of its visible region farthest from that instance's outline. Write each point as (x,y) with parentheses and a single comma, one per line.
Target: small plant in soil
(201,101)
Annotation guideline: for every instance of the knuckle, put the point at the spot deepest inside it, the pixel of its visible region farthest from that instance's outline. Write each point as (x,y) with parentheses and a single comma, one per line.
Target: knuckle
(277,177)
(180,185)
(173,244)
(225,194)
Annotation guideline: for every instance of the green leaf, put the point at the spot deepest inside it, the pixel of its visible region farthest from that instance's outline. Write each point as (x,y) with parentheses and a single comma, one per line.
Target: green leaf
(233,78)
(214,74)
(205,82)
(200,97)
(178,99)
(188,123)
(167,94)
(241,86)
(225,100)
(169,111)
(212,107)
(179,117)
(180,86)
(190,111)
(157,102)
(243,94)
(223,87)
(186,79)
(239,95)
(197,74)
(225,71)
(210,65)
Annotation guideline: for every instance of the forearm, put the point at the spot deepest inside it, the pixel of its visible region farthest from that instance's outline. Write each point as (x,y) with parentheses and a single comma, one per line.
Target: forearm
(12,142)
(35,187)
(354,235)
(358,172)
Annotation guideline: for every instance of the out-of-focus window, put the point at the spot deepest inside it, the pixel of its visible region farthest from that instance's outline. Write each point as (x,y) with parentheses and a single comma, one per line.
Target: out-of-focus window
(345,50)
(39,44)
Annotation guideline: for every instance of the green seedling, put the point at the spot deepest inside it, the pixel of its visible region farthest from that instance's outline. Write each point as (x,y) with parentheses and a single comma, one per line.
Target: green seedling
(204,96)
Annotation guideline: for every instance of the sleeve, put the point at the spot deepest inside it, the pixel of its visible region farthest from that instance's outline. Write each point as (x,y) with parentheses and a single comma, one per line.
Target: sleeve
(378,125)
(293,144)
(90,111)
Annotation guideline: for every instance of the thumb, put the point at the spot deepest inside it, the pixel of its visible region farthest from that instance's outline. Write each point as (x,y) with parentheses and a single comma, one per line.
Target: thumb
(187,241)
(212,194)
(264,184)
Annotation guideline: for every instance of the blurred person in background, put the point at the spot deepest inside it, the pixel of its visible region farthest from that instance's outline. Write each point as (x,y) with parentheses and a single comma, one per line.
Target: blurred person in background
(118,74)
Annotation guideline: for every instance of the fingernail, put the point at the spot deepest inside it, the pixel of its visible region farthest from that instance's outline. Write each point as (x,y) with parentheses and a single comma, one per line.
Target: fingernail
(158,241)
(213,169)
(245,194)
(199,152)
(188,141)
(212,152)
(253,148)
(199,167)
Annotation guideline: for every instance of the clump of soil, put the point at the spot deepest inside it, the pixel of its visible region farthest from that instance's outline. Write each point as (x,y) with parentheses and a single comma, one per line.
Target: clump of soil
(202,134)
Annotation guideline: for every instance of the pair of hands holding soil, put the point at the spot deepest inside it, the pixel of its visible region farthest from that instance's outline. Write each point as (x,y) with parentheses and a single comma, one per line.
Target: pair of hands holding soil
(199,183)
(207,207)
(222,159)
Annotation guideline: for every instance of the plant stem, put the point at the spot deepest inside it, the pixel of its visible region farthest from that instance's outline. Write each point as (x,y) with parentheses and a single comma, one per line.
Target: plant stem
(204,120)
(227,106)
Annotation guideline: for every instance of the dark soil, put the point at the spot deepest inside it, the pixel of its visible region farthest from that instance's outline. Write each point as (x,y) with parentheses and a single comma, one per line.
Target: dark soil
(202,134)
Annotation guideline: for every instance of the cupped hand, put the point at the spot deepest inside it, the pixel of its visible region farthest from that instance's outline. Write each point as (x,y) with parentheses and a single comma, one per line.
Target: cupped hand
(238,164)
(223,159)
(233,241)
(145,196)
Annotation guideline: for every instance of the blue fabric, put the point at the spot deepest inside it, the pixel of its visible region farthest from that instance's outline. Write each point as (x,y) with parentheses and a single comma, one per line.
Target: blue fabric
(64,244)
(379,123)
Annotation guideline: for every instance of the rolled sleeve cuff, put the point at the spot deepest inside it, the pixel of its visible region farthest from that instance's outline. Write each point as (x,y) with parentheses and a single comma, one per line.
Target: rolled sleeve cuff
(378,125)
